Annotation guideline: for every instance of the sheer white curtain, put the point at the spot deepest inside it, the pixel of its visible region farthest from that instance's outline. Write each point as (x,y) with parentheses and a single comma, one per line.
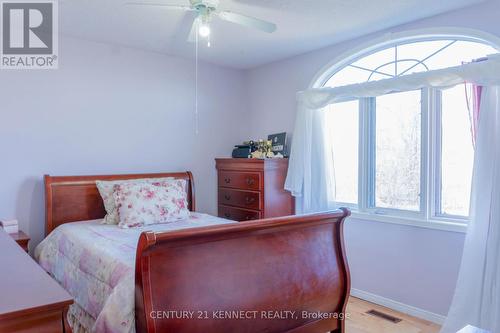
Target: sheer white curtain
(311,179)
(477,295)
(310,175)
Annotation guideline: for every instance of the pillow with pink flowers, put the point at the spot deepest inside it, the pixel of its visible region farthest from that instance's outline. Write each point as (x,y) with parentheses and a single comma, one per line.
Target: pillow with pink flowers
(106,189)
(141,204)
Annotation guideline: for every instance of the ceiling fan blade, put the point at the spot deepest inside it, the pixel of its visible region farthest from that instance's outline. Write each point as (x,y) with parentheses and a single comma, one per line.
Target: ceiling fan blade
(194,30)
(157,4)
(247,21)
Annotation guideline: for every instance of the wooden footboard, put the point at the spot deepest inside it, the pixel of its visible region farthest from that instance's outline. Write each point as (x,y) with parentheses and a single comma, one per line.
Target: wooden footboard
(285,274)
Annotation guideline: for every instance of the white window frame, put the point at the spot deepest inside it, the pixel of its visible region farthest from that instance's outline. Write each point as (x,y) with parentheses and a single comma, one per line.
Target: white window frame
(430,169)
(354,206)
(370,204)
(429,215)
(430,173)
(435,167)
(409,36)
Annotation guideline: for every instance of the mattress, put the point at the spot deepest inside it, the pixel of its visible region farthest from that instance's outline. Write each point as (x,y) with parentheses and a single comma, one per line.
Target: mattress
(95,263)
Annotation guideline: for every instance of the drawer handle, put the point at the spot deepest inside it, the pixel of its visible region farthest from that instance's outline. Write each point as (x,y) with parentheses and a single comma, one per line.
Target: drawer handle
(227,197)
(227,180)
(249,200)
(227,215)
(250,181)
(248,217)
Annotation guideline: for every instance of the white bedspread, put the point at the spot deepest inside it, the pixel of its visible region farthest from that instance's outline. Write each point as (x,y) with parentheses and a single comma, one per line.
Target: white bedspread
(95,263)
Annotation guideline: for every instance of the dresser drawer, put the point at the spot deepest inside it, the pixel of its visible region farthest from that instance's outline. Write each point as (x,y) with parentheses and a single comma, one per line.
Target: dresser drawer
(241,180)
(238,214)
(239,198)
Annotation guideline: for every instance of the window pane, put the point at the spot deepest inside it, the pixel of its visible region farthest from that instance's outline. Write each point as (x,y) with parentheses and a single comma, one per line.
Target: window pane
(457,153)
(422,50)
(348,75)
(376,59)
(398,144)
(344,127)
(459,52)
(406,67)
(411,57)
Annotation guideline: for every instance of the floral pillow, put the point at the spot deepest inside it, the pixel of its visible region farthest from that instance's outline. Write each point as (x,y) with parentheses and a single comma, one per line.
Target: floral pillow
(106,189)
(141,204)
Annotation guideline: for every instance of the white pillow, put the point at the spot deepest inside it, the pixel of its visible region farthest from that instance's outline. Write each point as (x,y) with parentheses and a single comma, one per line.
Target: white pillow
(106,191)
(141,204)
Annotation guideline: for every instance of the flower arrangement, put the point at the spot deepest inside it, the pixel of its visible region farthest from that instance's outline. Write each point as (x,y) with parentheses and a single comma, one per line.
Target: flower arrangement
(264,149)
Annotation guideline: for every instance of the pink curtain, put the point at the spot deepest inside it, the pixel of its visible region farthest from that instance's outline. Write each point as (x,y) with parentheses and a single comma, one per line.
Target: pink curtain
(473,96)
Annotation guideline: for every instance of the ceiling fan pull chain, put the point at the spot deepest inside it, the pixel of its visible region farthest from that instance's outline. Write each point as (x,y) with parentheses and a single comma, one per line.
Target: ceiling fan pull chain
(196,81)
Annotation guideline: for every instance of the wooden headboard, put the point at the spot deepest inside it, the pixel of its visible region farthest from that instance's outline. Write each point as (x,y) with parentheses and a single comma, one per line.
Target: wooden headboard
(76,198)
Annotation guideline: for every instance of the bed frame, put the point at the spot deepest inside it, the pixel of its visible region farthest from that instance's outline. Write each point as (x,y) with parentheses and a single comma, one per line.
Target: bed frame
(76,198)
(285,274)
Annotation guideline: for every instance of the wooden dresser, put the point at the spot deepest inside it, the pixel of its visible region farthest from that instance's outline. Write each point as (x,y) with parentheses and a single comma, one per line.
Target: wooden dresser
(251,189)
(30,300)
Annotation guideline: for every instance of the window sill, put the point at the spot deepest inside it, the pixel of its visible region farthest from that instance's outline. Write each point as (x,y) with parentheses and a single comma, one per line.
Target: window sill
(453,226)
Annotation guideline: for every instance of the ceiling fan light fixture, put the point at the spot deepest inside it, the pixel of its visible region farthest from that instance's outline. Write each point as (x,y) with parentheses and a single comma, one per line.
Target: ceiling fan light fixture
(205,11)
(204,30)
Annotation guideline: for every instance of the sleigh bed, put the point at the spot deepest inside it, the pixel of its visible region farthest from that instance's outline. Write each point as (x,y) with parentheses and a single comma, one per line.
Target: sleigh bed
(284,274)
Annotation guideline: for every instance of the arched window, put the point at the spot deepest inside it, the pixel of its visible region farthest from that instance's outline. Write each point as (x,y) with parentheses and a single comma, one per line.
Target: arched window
(407,154)
(409,57)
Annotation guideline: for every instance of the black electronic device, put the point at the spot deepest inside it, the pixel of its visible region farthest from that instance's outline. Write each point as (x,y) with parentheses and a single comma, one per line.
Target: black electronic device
(244,150)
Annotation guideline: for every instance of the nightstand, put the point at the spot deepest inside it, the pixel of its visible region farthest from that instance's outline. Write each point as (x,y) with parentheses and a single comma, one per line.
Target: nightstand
(22,239)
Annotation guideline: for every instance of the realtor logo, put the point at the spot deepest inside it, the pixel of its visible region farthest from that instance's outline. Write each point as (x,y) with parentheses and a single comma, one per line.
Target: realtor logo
(29,35)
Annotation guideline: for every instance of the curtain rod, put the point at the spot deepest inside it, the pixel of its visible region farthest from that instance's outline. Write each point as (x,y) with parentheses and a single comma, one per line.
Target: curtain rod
(484,71)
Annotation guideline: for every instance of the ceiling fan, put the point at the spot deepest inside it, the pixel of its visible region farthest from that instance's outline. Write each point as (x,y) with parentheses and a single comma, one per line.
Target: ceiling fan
(206,10)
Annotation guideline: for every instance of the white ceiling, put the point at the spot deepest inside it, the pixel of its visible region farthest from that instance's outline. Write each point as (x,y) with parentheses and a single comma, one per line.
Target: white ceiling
(303,25)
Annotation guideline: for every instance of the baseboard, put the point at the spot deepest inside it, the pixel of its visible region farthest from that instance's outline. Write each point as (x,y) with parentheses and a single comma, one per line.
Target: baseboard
(398,306)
